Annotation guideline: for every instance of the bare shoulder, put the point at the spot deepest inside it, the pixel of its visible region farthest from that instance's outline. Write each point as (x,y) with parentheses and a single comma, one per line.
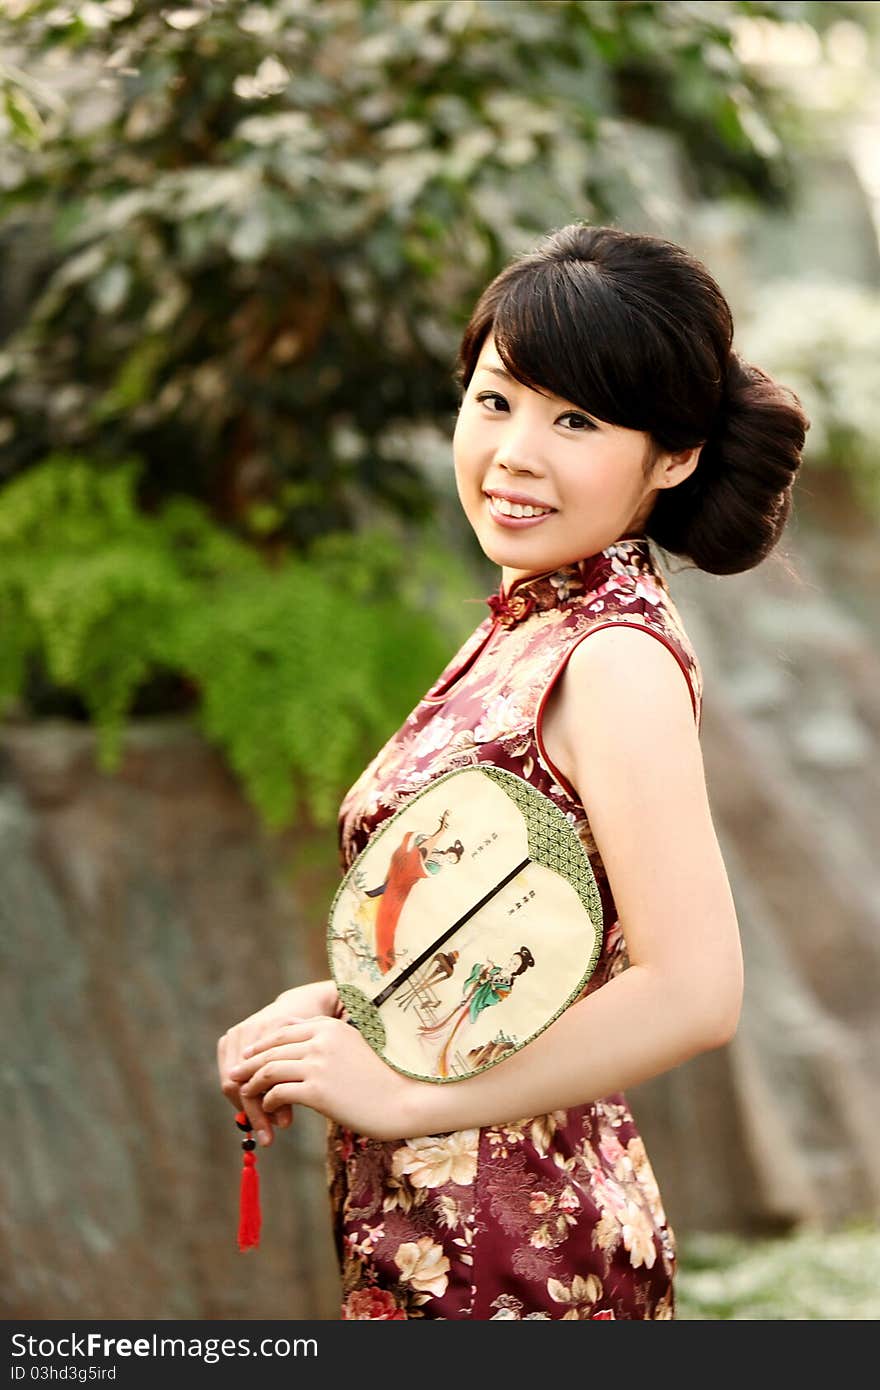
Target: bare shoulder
(623,689)
(631,664)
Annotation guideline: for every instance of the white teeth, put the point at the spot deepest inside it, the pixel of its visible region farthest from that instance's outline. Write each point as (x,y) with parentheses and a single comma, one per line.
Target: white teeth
(518,509)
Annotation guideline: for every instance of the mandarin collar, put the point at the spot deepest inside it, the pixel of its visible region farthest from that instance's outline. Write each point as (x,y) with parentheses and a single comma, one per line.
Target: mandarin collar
(538,592)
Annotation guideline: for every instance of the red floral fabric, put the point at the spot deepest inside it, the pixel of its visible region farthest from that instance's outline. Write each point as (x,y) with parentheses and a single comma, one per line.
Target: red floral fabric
(550,1216)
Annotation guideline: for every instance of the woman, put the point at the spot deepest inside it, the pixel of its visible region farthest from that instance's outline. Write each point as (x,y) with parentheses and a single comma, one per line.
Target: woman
(603,413)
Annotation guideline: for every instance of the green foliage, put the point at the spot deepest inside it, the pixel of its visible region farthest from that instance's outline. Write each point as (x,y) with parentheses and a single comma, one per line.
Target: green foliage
(302,667)
(267,222)
(810,1275)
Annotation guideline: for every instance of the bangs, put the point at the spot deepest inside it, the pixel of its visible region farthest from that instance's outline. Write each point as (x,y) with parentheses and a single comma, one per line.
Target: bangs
(629,329)
(571,336)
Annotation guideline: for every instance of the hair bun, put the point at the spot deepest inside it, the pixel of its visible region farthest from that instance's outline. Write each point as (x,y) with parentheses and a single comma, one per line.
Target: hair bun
(737,376)
(733,513)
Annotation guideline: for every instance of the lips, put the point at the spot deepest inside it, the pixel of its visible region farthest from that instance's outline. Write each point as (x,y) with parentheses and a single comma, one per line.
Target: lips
(502,519)
(521,497)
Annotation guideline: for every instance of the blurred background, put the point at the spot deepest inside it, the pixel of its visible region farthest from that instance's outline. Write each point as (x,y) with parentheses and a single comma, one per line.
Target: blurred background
(239,243)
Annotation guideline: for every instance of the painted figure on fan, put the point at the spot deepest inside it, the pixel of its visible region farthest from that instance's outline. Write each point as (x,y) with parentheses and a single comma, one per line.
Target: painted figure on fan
(485,985)
(416,857)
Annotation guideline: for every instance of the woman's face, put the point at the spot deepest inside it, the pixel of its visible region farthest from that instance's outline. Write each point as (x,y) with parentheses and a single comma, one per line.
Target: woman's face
(512,439)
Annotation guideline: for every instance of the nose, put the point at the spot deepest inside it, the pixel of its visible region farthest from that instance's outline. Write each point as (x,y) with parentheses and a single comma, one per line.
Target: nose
(518,448)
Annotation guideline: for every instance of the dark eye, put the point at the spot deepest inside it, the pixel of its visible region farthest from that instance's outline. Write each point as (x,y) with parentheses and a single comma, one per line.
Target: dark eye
(491,395)
(585,422)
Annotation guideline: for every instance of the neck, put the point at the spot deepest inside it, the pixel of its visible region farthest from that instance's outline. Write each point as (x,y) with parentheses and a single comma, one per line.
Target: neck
(510,575)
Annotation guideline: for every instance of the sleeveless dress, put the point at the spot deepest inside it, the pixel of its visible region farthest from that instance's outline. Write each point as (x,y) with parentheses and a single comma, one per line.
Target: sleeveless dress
(549,1216)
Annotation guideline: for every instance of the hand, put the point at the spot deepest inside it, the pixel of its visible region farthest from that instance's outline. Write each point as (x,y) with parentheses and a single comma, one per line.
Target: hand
(305,1001)
(326,1064)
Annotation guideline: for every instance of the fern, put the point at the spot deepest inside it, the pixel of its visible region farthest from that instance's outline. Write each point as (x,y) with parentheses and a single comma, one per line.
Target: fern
(302,669)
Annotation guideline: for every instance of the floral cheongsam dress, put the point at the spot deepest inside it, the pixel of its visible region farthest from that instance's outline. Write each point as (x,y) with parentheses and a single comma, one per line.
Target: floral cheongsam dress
(549,1216)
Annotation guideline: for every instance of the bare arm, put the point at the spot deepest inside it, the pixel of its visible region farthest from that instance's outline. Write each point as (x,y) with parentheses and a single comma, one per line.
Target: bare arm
(630,732)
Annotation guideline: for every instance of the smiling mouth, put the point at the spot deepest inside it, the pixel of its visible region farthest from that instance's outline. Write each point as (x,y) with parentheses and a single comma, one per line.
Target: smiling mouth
(517,510)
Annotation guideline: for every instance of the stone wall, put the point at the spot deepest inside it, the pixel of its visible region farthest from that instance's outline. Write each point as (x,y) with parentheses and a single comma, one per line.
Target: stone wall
(142,915)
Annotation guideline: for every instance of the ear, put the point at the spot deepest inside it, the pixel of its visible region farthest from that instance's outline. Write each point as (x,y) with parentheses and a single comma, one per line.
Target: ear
(674,468)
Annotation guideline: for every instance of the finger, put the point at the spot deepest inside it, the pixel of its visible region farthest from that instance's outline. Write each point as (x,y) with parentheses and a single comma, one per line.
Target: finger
(285,1069)
(260,1124)
(296,1030)
(223,1057)
(276,1027)
(229,1087)
(285,1093)
(292,1046)
(232,1094)
(252,1064)
(228,1053)
(271,1075)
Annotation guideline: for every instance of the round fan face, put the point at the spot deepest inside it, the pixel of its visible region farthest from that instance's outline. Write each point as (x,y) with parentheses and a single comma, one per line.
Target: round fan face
(469,922)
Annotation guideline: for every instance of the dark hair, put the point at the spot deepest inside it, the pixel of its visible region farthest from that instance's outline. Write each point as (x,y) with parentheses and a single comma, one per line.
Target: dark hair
(636,331)
(526,959)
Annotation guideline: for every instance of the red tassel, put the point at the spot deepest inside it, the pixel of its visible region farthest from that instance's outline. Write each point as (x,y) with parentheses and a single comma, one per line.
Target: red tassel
(249,1217)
